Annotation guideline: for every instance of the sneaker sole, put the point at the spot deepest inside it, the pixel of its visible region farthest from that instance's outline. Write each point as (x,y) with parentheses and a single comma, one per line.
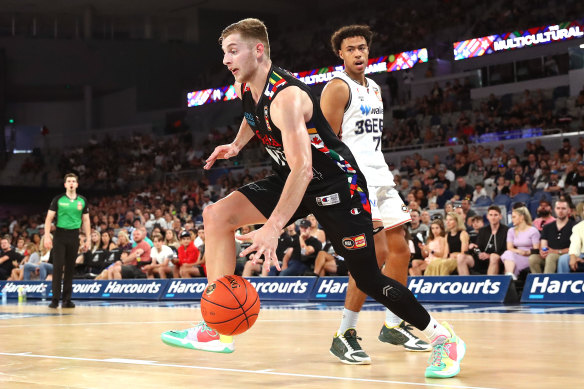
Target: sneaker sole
(407,348)
(364,362)
(446,375)
(214,348)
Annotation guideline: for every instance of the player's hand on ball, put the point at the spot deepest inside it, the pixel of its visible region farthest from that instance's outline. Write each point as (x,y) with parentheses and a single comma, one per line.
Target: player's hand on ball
(264,242)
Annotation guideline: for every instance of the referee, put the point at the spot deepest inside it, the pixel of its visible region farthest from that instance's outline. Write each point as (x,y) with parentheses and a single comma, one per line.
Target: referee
(71,210)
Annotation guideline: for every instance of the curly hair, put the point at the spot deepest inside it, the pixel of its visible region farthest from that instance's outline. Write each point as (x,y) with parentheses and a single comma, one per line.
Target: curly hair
(349,32)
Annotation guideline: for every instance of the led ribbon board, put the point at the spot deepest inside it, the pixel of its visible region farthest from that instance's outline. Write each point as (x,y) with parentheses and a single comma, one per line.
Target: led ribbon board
(518,39)
(388,63)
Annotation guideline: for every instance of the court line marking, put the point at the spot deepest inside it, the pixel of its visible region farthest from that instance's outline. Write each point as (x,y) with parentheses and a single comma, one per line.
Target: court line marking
(313,376)
(529,319)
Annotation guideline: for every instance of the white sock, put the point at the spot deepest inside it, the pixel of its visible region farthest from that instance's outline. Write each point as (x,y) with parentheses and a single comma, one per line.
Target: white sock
(349,321)
(391,319)
(436,332)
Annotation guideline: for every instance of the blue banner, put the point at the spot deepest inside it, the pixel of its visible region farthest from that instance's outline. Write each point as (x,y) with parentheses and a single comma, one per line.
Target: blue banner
(184,289)
(331,289)
(554,288)
(452,289)
(33,289)
(283,288)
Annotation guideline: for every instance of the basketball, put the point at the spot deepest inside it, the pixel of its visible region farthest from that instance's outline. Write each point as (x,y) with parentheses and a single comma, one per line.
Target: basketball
(230,305)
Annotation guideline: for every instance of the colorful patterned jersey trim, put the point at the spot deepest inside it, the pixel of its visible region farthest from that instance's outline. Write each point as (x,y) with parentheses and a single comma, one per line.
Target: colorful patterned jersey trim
(342,163)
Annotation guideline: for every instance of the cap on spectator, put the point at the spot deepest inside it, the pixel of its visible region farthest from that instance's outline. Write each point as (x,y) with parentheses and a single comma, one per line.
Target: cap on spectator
(502,165)
(305,223)
(185,234)
(41,226)
(554,172)
(439,185)
(581,163)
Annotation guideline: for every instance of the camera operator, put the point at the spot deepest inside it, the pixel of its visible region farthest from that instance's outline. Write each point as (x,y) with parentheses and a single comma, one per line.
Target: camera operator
(484,256)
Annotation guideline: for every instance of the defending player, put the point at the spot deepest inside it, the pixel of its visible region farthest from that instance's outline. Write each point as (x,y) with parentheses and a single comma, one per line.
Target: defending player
(353,107)
(315,173)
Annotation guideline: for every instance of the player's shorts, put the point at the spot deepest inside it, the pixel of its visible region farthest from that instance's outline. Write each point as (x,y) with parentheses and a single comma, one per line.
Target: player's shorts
(388,207)
(345,219)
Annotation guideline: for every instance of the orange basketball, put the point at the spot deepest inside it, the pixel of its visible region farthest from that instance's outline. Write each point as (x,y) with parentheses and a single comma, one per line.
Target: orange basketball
(230,305)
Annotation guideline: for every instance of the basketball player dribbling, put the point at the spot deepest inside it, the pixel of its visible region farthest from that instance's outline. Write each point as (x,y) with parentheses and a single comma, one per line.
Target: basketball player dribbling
(353,107)
(314,173)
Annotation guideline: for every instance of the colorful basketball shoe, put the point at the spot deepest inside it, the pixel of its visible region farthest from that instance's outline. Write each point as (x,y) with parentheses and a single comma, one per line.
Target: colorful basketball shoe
(347,348)
(446,357)
(200,337)
(401,336)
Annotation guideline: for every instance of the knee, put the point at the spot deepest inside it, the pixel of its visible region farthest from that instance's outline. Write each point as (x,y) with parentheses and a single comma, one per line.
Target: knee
(494,259)
(535,259)
(215,217)
(461,259)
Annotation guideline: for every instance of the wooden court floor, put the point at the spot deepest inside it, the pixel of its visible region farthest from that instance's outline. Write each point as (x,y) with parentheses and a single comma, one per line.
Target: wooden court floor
(119,346)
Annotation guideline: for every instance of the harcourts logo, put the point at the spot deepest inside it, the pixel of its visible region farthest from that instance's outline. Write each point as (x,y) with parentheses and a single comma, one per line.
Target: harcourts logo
(132,288)
(331,289)
(283,288)
(423,286)
(91,288)
(460,288)
(554,288)
(182,287)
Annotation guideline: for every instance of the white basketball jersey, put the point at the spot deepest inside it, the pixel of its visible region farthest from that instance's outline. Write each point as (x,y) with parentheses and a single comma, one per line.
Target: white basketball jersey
(362,130)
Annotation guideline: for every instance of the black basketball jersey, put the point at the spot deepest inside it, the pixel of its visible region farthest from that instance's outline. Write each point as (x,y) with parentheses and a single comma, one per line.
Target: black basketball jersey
(331,158)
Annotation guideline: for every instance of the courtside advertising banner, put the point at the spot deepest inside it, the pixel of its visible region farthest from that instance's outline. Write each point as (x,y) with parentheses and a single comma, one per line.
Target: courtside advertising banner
(554,288)
(33,289)
(283,288)
(452,289)
(184,289)
(118,289)
(331,289)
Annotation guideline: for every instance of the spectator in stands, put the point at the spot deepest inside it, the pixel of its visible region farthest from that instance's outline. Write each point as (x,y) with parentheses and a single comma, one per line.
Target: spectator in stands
(443,194)
(576,251)
(9,259)
(519,186)
(555,241)
(463,190)
(576,180)
(502,186)
(189,262)
(171,240)
(467,212)
(94,259)
(309,248)
(130,265)
(162,257)
(434,248)
(484,256)
(555,186)
(457,241)
(416,227)
(425,218)
(479,191)
(542,178)
(315,231)
(521,239)
(503,171)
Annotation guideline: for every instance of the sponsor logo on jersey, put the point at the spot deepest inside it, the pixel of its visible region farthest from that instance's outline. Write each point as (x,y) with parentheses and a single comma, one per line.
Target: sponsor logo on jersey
(368,110)
(378,94)
(331,199)
(266,118)
(355,242)
(365,109)
(355,211)
(255,187)
(79,206)
(267,139)
(250,119)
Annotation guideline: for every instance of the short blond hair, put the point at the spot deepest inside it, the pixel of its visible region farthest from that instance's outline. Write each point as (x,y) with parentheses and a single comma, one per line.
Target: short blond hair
(250,28)
(459,222)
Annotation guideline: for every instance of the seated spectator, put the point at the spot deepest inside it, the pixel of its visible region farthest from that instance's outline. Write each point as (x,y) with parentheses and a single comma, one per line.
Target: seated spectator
(189,263)
(162,257)
(443,194)
(457,242)
(315,231)
(417,228)
(123,247)
(130,265)
(425,218)
(555,185)
(171,240)
(9,258)
(435,248)
(464,190)
(309,248)
(521,239)
(501,186)
(576,251)
(544,215)
(479,191)
(485,253)
(94,259)
(519,186)
(38,262)
(555,241)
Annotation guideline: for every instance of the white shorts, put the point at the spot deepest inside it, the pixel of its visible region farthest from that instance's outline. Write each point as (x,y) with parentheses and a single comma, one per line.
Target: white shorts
(388,207)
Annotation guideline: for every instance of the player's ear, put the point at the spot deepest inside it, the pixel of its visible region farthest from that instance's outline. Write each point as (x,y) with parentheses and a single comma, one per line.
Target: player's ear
(260,49)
